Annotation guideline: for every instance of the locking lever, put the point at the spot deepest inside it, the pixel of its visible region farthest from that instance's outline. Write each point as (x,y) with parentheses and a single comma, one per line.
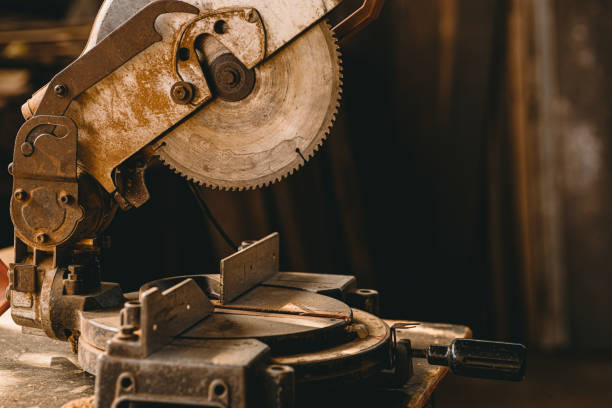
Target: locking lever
(481,359)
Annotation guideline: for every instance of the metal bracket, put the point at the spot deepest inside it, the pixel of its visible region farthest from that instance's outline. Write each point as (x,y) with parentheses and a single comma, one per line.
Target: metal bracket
(249,267)
(157,318)
(44,207)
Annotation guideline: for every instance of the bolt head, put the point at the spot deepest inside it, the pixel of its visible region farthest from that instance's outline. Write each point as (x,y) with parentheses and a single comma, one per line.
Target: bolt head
(60,90)
(182,92)
(65,198)
(27,148)
(20,195)
(41,237)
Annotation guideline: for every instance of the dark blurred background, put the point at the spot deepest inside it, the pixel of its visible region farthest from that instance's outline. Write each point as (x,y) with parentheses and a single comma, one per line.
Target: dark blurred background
(467,178)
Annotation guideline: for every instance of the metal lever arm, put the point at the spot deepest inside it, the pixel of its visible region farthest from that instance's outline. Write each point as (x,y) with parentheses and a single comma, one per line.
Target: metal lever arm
(359,19)
(481,359)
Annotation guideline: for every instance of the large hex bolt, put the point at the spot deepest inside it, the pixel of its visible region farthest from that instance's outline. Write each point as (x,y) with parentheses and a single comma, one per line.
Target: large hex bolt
(73,284)
(130,321)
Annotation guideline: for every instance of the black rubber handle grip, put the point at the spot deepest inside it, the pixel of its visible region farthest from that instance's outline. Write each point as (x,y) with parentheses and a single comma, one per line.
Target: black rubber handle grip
(481,359)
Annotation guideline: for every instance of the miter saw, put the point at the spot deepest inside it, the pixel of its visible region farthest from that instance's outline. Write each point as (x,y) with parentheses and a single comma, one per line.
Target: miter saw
(230,94)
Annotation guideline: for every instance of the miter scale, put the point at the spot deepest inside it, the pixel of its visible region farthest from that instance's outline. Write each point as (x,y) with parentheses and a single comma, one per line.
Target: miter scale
(231,94)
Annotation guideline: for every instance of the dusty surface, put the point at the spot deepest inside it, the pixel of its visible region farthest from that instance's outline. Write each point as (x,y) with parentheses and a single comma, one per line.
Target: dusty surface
(37,371)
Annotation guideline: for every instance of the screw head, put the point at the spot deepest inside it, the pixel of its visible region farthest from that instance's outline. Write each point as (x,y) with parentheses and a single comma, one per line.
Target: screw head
(27,148)
(182,92)
(41,237)
(20,195)
(60,90)
(65,198)
(10,168)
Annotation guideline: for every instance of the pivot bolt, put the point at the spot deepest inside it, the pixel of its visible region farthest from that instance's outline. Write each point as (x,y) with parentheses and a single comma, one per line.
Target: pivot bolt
(130,321)
(41,237)
(60,90)
(27,148)
(65,198)
(182,92)
(20,195)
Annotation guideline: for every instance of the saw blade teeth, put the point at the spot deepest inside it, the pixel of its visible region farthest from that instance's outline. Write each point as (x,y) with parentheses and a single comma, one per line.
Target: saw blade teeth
(315,144)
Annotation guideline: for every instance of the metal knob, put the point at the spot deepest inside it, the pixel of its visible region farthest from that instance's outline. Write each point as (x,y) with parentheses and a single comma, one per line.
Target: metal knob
(481,359)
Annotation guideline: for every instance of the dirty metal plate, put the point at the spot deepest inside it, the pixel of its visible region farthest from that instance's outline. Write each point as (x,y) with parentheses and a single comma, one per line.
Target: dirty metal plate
(290,301)
(378,335)
(283,19)
(313,282)
(273,314)
(164,315)
(284,333)
(249,267)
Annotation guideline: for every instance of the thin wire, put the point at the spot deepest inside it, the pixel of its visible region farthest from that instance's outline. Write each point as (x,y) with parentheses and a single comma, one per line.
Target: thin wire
(212,219)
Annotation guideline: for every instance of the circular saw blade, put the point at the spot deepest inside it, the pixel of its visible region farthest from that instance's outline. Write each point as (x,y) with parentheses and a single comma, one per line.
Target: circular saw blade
(273,131)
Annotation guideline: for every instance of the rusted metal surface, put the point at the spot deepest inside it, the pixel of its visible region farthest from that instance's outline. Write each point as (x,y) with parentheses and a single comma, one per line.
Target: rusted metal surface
(111,53)
(297,320)
(284,19)
(132,191)
(159,317)
(248,267)
(248,48)
(231,80)
(359,19)
(216,372)
(44,207)
(117,118)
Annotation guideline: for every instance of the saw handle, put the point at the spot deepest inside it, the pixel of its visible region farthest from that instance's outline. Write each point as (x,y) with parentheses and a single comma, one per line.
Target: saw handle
(358,19)
(481,359)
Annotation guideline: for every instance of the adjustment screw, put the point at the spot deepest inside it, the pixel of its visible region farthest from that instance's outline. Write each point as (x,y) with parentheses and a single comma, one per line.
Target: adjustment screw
(60,90)
(250,16)
(41,237)
(27,148)
(20,195)
(65,198)
(182,92)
